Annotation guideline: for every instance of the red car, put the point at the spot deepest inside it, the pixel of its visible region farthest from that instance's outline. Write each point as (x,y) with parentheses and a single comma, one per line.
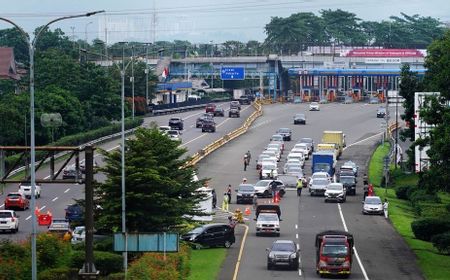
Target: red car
(210,108)
(16,200)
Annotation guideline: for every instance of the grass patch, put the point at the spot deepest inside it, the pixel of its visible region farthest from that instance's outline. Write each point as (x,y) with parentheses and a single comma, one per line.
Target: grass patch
(205,264)
(376,164)
(433,265)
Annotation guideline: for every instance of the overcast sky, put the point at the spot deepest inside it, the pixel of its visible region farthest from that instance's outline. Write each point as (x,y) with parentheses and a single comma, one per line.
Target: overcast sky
(198,21)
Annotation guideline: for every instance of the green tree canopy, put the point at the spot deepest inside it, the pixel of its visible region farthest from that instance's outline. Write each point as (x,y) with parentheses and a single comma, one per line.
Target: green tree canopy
(159,191)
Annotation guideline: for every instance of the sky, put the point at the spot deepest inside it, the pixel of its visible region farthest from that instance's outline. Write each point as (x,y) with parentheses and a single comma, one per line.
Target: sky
(198,21)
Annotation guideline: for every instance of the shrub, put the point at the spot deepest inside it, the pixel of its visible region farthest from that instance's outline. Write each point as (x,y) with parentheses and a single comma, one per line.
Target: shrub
(116,276)
(433,210)
(8,249)
(12,269)
(106,262)
(421,195)
(59,273)
(425,228)
(442,242)
(49,250)
(447,207)
(402,192)
(410,191)
(106,244)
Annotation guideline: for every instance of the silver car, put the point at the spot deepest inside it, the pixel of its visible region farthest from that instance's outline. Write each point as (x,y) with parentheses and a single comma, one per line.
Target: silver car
(318,186)
(373,205)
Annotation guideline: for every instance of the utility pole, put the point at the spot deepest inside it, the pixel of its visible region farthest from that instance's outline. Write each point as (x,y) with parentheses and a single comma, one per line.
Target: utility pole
(132,82)
(146,75)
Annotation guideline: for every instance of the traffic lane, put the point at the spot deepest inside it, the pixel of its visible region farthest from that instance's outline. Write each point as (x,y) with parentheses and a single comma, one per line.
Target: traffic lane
(379,245)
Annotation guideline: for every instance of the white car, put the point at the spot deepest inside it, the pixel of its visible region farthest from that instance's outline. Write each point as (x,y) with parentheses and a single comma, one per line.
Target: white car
(174,135)
(25,190)
(9,221)
(164,128)
(262,188)
(275,145)
(300,151)
(373,205)
(298,156)
(271,153)
(291,164)
(78,235)
(296,171)
(268,223)
(268,168)
(314,106)
(320,175)
(303,147)
(318,186)
(276,151)
(335,192)
(277,138)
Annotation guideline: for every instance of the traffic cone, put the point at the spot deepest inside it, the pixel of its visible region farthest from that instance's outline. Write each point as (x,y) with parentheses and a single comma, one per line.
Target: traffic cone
(276,198)
(247,211)
(36,211)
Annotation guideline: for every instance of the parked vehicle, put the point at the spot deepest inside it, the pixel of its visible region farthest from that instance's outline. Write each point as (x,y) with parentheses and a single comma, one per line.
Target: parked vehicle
(176,123)
(323,161)
(16,200)
(209,126)
(349,183)
(284,253)
(334,137)
(210,108)
(314,106)
(286,133)
(373,205)
(234,112)
(335,192)
(303,148)
(26,191)
(59,226)
(211,235)
(219,112)
(269,170)
(334,250)
(268,217)
(277,138)
(245,193)
(9,221)
(299,119)
(260,159)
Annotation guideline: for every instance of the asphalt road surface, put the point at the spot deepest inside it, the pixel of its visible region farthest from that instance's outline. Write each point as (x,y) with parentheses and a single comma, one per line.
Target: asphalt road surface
(380,252)
(56,197)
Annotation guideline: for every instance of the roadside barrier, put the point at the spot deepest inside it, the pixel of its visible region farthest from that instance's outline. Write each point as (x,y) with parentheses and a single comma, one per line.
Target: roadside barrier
(226,138)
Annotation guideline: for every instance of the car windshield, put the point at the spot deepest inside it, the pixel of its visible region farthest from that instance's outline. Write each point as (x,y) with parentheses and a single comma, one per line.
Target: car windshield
(347,180)
(372,200)
(320,182)
(293,169)
(174,119)
(267,218)
(301,147)
(284,130)
(277,137)
(261,183)
(284,247)
(78,231)
(322,167)
(246,188)
(300,116)
(5,215)
(335,250)
(14,195)
(197,230)
(314,104)
(173,132)
(269,166)
(273,146)
(350,163)
(334,187)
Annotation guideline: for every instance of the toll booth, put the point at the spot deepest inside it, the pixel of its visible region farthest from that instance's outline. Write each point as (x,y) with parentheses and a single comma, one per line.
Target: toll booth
(381,95)
(306,94)
(331,94)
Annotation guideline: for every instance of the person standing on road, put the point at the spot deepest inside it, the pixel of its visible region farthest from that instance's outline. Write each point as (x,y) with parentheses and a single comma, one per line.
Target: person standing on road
(366,191)
(249,157)
(225,202)
(245,162)
(273,187)
(229,193)
(299,187)
(385,208)
(365,179)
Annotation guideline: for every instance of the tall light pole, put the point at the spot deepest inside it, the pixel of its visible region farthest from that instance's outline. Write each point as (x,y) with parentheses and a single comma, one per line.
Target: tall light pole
(146,74)
(132,82)
(31,46)
(86,35)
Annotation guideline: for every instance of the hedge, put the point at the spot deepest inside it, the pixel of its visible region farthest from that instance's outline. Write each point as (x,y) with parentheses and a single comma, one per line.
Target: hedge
(59,273)
(106,262)
(81,138)
(153,266)
(442,242)
(425,228)
(402,192)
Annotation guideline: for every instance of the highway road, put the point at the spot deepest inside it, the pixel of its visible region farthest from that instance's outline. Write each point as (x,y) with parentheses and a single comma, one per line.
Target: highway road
(380,252)
(56,197)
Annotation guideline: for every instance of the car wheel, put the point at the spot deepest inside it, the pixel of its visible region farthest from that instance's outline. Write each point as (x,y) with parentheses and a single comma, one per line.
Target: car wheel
(278,234)
(16,230)
(269,266)
(227,244)
(266,193)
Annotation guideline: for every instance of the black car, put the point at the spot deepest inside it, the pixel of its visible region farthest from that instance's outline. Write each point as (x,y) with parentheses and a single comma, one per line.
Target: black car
(176,123)
(219,112)
(202,118)
(250,96)
(299,119)
(208,126)
(245,193)
(381,112)
(349,183)
(286,133)
(234,113)
(72,173)
(74,213)
(243,100)
(211,235)
(283,252)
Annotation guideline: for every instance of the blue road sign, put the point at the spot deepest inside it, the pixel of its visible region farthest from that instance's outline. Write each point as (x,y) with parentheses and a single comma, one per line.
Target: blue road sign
(147,242)
(232,73)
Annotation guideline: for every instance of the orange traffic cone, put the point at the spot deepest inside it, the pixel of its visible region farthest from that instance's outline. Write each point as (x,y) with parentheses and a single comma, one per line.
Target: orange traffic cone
(36,211)
(276,198)
(247,211)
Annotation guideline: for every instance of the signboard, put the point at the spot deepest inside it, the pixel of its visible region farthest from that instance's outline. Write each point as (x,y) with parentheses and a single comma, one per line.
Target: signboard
(232,73)
(385,53)
(335,64)
(147,242)
(383,60)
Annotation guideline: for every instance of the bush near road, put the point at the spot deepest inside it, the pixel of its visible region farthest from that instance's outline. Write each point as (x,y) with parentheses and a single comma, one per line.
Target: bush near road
(402,214)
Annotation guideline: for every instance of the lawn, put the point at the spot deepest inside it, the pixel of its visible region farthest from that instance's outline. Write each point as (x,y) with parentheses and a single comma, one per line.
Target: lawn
(205,264)
(401,214)
(376,164)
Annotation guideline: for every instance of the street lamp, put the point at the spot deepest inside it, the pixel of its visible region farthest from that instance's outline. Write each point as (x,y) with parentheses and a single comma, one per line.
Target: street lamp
(31,46)
(86,34)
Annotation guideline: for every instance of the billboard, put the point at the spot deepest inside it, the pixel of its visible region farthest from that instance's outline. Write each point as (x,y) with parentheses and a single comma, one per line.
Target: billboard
(395,53)
(232,73)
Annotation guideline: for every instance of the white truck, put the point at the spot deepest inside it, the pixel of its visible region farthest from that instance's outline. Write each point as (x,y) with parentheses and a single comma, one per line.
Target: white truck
(25,190)
(237,93)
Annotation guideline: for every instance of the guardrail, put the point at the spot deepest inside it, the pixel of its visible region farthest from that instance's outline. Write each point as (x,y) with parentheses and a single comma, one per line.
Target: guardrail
(176,109)
(392,127)
(96,141)
(226,138)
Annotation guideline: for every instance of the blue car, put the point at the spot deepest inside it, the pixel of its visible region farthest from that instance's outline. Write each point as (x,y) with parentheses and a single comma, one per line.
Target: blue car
(74,213)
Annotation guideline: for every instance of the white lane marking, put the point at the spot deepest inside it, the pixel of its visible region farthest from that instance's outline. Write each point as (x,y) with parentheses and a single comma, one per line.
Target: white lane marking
(363,140)
(296,226)
(29,217)
(296,236)
(203,135)
(47,177)
(68,189)
(113,148)
(54,199)
(354,248)
(40,209)
(2,205)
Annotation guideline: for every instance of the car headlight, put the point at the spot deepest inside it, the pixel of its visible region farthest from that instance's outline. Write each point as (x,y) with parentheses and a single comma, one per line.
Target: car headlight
(346,264)
(293,256)
(341,194)
(271,255)
(327,194)
(322,264)
(238,194)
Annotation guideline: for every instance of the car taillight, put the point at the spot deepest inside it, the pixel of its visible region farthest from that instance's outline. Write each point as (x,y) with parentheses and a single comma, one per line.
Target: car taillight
(13,219)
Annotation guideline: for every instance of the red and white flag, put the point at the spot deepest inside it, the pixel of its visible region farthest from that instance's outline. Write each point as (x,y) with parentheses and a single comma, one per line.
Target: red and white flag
(165,73)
